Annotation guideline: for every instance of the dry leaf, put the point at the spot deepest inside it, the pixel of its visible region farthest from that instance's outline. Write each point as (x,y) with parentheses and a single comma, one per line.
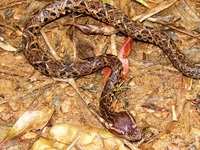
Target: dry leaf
(31,119)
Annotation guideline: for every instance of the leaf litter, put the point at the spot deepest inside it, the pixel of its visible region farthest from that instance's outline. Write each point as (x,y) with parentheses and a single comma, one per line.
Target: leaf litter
(163,101)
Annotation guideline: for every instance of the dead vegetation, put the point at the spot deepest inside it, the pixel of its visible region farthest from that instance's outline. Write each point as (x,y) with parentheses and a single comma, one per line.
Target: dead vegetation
(37,111)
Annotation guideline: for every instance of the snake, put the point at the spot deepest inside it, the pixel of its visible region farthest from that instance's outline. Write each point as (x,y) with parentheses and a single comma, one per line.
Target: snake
(121,123)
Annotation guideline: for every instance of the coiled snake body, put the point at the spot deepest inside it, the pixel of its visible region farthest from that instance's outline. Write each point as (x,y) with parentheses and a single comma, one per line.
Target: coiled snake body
(121,123)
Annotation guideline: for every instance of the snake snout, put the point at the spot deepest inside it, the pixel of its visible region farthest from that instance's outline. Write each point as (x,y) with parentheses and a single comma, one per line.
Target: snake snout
(125,126)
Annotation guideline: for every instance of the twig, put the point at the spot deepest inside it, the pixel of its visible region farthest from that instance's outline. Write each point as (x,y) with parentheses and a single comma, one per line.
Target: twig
(174,115)
(13,4)
(52,51)
(157,9)
(73,143)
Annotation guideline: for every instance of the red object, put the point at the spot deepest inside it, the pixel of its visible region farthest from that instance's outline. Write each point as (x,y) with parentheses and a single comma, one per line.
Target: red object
(122,55)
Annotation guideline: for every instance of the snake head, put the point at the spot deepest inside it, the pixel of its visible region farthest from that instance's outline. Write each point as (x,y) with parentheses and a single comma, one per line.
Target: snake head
(124,125)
